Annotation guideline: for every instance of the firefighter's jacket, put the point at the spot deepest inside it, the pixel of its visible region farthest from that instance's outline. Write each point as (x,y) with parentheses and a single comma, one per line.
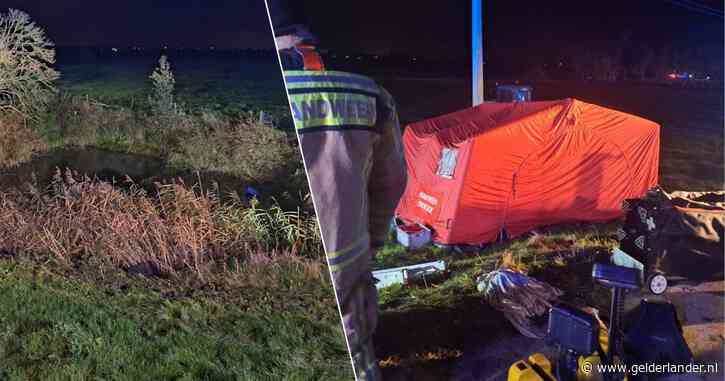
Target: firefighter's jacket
(350,140)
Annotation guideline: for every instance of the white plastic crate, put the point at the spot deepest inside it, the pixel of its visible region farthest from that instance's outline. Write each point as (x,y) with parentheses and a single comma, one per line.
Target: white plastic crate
(413,239)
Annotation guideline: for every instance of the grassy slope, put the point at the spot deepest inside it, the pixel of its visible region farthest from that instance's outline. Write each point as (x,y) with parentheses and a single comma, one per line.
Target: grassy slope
(55,327)
(63,323)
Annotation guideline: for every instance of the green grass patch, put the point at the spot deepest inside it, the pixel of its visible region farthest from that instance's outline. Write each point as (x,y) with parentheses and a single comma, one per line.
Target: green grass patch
(57,328)
(452,314)
(545,253)
(232,87)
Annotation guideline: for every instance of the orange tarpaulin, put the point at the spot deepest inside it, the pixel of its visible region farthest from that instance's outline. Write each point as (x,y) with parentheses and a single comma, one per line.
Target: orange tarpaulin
(516,166)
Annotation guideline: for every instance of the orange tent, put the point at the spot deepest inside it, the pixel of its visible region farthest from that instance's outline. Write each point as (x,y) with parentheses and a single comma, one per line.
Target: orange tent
(515,166)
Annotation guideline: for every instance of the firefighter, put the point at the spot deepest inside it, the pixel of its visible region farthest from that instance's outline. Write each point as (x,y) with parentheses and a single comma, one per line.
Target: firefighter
(350,140)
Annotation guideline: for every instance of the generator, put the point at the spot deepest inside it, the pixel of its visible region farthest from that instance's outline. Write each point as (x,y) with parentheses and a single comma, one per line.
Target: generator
(640,243)
(677,235)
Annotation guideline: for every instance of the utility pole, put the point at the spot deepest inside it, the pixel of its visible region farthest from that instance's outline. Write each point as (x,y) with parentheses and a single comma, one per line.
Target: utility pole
(477,51)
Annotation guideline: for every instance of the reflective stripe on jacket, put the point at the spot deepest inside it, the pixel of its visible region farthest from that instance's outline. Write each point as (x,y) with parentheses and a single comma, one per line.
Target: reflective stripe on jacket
(332,100)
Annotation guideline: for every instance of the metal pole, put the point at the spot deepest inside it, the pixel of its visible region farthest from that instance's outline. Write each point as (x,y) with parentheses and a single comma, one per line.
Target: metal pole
(477,51)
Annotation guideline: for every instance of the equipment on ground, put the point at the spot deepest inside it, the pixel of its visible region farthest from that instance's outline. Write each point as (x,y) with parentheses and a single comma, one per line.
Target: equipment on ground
(583,342)
(639,239)
(619,279)
(655,337)
(678,234)
(520,298)
(535,367)
(250,192)
(407,274)
(574,333)
(413,236)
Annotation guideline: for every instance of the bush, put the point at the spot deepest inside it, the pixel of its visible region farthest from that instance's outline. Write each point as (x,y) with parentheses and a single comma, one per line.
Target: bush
(245,149)
(276,227)
(18,143)
(26,56)
(82,121)
(179,228)
(163,106)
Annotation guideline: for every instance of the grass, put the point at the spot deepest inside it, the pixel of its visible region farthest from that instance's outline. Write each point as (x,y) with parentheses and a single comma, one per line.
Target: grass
(159,279)
(178,228)
(229,86)
(92,109)
(57,328)
(106,281)
(536,253)
(244,149)
(204,140)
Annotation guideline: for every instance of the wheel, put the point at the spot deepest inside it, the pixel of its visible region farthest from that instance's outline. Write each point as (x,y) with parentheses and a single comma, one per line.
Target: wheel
(657,283)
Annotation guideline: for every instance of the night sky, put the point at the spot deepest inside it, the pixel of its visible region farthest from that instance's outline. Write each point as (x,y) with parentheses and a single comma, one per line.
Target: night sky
(433,28)
(441,29)
(151,23)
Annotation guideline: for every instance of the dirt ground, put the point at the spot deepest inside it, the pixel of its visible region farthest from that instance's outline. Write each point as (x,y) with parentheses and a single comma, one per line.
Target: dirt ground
(699,308)
(490,352)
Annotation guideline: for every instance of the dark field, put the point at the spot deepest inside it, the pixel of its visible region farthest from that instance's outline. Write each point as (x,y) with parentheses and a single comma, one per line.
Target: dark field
(691,151)
(230,85)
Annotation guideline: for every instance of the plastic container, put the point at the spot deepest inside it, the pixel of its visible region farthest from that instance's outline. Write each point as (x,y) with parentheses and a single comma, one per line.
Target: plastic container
(413,236)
